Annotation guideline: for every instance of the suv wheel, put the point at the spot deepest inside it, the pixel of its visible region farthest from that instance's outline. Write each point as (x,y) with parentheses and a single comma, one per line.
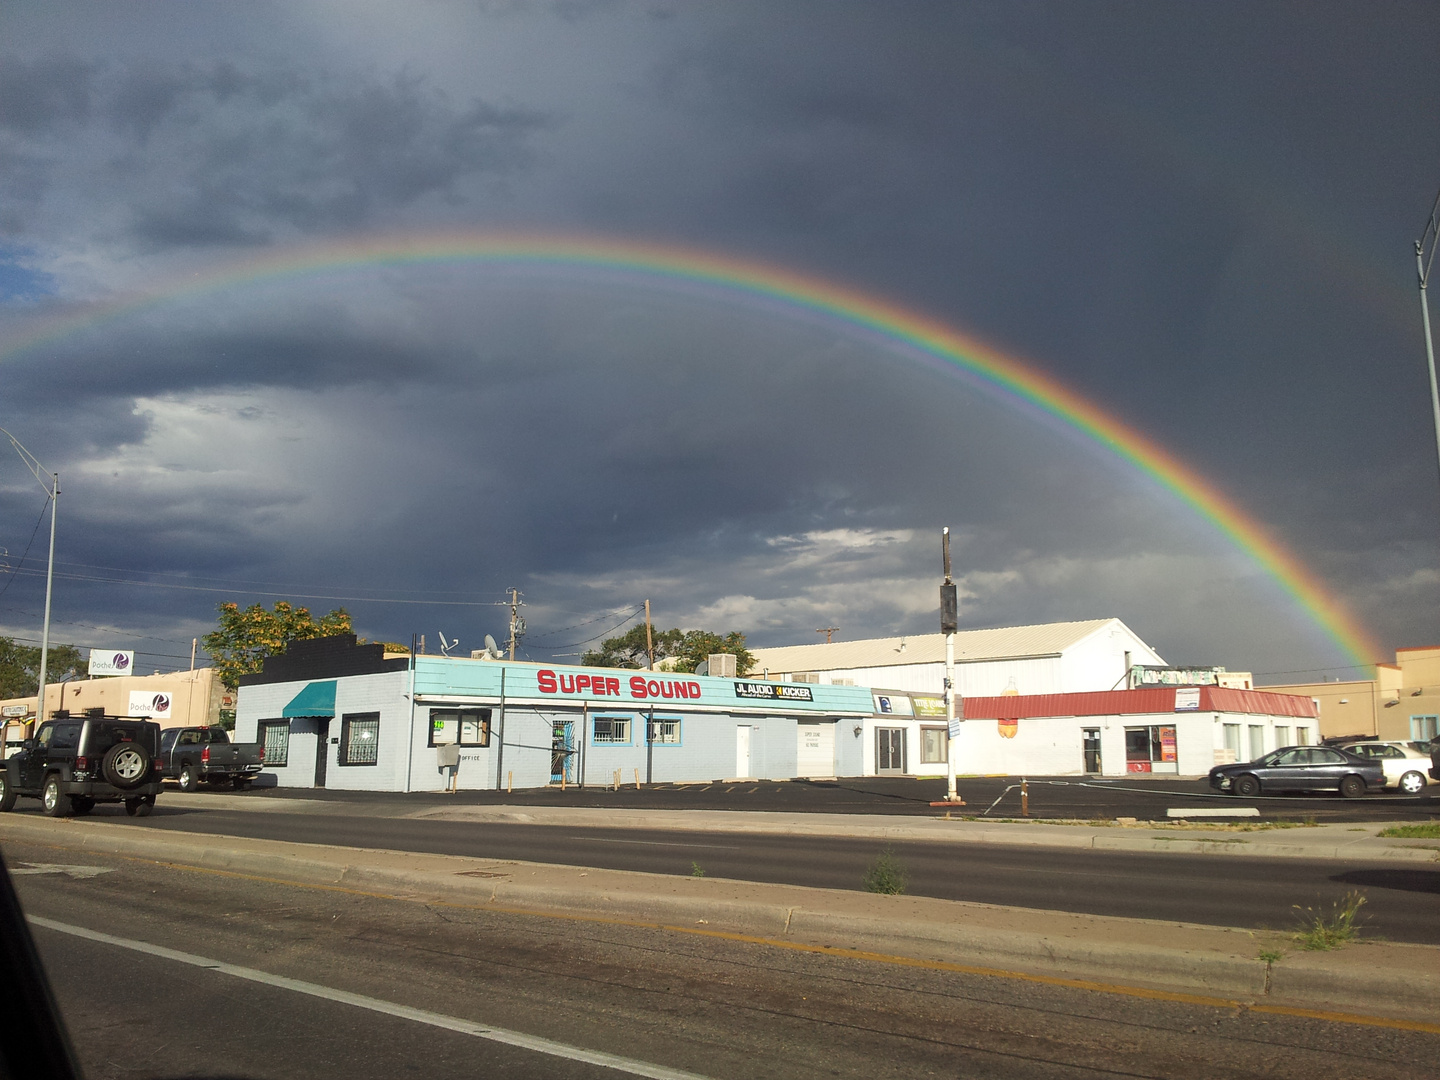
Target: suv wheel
(126,765)
(55,801)
(189,778)
(7,793)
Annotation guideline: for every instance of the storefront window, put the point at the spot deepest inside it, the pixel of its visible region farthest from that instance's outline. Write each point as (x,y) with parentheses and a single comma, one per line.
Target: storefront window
(1232,741)
(1150,749)
(467,727)
(275,734)
(611,730)
(1282,735)
(1257,741)
(665,731)
(934,745)
(1423,728)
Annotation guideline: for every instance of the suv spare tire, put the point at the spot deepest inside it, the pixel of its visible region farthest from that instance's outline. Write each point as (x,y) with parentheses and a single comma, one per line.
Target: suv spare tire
(126,765)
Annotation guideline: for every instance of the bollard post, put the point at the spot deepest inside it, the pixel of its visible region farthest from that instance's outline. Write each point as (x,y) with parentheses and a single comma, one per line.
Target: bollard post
(510,783)
(637,779)
(1024,798)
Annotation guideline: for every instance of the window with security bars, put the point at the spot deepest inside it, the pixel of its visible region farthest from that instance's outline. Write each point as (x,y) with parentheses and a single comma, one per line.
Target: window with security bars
(360,739)
(665,730)
(611,729)
(275,737)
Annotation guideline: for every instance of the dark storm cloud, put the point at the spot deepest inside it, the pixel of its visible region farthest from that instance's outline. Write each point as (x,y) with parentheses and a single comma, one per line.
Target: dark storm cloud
(223,154)
(1198,218)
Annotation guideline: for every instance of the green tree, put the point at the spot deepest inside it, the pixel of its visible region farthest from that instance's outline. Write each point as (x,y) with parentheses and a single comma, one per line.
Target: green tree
(20,667)
(686,647)
(245,636)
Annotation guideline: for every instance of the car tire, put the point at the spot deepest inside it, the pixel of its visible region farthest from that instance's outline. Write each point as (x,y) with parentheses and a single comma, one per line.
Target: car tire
(140,806)
(189,778)
(1247,786)
(81,805)
(52,800)
(126,765)
(1412,783)
(8,794)
(1352,787)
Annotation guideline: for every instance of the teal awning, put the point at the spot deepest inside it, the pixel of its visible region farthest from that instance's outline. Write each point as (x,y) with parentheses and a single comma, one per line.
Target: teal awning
(317,699)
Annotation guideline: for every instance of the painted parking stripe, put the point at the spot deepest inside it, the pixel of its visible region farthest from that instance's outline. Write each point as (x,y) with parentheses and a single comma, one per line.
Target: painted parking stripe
(389,1008)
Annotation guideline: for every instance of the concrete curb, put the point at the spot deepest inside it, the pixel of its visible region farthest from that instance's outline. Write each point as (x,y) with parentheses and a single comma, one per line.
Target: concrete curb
(1398,981)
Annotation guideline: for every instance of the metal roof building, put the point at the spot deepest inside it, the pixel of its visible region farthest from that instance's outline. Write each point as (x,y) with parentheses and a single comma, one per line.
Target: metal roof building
(1050,658)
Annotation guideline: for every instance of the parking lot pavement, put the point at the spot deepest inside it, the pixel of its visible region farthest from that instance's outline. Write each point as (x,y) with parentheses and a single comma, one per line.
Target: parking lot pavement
(1063,797)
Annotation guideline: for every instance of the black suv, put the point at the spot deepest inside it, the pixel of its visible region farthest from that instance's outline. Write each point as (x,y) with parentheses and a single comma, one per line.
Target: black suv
(72,764)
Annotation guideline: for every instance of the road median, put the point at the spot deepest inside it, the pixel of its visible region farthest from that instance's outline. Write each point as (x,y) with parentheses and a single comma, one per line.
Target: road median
(1237,965)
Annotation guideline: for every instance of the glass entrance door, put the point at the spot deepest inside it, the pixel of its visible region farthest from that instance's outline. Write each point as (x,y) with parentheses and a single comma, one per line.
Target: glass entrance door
(889,750)
(1092,749)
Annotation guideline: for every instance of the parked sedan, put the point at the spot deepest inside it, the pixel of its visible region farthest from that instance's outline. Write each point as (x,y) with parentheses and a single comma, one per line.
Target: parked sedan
(1301,768)
(1405,766)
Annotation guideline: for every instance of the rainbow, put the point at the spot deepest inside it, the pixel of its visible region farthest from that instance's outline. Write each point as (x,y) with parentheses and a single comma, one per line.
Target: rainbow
(795,293)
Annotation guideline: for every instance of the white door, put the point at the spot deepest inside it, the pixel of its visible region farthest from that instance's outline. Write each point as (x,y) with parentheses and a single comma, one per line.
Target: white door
(815,750)
(742,750)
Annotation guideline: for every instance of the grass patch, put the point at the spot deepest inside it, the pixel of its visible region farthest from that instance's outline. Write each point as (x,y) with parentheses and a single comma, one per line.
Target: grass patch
(696,870)
(886,875)
(1429,831)
(1271,956)
(1321,930)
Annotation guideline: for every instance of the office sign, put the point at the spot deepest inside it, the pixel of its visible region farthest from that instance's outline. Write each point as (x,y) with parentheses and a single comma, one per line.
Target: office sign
(108,662)
(1187,698)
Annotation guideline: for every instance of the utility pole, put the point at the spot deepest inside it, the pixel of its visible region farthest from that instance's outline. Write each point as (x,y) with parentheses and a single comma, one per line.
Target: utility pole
(517,624)
(827,631)
(52,489)
(1424,259)
(954,708)
(649,638)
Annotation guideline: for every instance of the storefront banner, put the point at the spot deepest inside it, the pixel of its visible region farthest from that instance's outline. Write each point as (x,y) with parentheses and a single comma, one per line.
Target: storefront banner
(774,691)
(111,663)
(894,705)
(1167,744)
(1187,698)
(928,706)
(15,710)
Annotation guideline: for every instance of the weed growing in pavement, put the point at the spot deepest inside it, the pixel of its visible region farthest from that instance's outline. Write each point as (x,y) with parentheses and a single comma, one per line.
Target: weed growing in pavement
(696,870)
(886,875)
(1429,831)
(1320,930)
(1271,956)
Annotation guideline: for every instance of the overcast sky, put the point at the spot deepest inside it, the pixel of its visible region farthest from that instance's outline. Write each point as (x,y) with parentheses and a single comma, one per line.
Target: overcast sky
(1199,216)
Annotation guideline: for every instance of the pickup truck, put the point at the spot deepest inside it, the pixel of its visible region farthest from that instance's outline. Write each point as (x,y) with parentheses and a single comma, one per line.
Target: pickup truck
(193,754)
(73,763)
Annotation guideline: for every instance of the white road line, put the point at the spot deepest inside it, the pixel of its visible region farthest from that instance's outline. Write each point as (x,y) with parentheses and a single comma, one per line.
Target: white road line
(389,1008)
(654,843)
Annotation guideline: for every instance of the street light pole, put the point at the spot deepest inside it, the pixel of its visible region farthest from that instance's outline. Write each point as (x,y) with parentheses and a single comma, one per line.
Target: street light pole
(52,489)
(1423,260)
(949,623)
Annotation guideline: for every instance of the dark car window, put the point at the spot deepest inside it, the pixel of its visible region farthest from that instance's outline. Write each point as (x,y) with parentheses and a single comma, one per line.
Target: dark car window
(217,735)
(1296,756)
(45,734)
(65,737)
(190,738)
(1326,757)
(167,739)
(104,736)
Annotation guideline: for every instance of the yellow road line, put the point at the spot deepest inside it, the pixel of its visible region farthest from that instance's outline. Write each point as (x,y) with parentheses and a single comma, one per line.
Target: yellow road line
(1142,992)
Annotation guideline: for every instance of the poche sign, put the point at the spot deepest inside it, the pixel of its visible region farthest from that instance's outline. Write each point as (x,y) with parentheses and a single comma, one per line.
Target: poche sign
(109,662)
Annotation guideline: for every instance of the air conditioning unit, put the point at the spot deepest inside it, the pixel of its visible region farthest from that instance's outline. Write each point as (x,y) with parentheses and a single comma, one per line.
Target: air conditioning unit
(806,676)
(722,665)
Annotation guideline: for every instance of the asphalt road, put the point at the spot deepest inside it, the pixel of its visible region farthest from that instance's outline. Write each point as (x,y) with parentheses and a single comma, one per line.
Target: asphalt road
(715,1008)
(1068,797)
(1403,903)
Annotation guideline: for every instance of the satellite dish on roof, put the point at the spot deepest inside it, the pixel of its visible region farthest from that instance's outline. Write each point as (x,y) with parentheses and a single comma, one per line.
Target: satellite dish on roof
(702,668)
(492,651)
(446,646)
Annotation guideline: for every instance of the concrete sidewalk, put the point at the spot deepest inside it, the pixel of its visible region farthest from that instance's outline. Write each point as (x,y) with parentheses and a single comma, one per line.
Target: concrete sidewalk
(1350,842)
(1370,978)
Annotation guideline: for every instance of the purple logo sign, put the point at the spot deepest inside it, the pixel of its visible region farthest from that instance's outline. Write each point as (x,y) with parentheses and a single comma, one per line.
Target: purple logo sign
(121,661)
(161,703)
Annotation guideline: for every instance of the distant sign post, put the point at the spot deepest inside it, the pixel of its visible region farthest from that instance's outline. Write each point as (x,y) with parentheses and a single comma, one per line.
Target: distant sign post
(110,662)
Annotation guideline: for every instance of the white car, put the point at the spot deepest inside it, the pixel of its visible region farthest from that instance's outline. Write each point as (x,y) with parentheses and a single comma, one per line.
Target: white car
(1405,766)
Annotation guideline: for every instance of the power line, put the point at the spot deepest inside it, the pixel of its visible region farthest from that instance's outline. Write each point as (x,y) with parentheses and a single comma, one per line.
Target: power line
(630,614)
(33,534)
